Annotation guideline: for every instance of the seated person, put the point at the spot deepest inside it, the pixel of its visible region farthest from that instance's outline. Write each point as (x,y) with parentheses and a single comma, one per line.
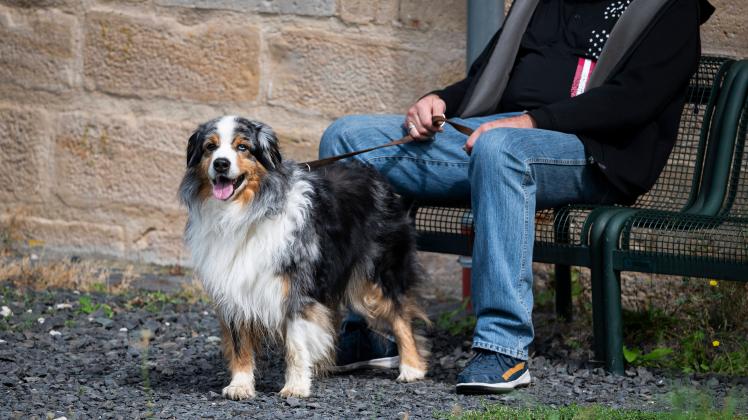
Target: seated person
(572,101)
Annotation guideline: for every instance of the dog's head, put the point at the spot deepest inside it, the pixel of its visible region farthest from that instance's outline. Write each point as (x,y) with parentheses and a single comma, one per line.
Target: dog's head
(227,159)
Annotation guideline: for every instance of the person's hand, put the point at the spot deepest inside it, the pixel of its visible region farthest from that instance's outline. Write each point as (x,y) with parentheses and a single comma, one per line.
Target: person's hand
(418,118)
(520,121)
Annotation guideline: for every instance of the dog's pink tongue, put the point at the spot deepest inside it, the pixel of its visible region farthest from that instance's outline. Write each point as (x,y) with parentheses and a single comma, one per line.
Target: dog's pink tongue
(223,190)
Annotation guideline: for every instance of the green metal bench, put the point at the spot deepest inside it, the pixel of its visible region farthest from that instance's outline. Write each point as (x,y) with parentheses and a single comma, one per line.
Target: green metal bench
(562,236)
(710,239)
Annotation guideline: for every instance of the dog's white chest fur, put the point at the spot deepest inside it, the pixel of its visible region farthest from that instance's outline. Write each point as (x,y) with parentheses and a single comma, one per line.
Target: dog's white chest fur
(238,259)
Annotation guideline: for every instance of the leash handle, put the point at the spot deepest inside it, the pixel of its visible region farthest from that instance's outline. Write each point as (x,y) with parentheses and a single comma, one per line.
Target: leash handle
(436,120)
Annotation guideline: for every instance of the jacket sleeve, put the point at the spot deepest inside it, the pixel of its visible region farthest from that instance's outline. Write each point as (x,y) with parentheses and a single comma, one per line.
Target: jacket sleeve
(657,70)
(453,94)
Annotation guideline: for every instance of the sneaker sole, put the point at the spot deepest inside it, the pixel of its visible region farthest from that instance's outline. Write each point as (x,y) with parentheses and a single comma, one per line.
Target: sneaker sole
(382,363)
(491,388)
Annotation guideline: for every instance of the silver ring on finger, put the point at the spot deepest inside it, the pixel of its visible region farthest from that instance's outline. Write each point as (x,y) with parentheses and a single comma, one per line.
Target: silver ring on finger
(411,126)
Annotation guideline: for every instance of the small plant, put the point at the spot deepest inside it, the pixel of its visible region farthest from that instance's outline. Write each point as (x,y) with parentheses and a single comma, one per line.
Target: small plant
(635,356)
(456,321)
(576,284)
(156,301)
(99,287)
(545,297)
(24,325)
(87,306)
(573,343)
(693,342)
(694,353)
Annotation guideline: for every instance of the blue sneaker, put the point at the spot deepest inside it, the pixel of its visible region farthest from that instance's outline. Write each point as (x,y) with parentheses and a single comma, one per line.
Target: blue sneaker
(360,347)
(492,373)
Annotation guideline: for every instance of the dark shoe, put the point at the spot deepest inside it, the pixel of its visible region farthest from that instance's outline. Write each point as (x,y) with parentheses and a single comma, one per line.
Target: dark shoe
(360,347)
(492,373)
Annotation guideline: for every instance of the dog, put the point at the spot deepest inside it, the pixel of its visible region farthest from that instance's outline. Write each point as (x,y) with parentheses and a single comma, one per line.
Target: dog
(280,248)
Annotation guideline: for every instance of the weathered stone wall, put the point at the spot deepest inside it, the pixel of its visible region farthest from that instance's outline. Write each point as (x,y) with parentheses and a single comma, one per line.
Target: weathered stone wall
(98,97)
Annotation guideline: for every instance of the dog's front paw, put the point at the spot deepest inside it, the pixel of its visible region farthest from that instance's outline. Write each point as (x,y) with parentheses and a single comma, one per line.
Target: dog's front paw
(295,391)
(239,391)
(410,374)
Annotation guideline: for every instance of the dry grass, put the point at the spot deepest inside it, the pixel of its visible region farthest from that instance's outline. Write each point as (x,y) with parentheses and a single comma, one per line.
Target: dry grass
(24,263)
(88,276)
(84,276)
(193,291)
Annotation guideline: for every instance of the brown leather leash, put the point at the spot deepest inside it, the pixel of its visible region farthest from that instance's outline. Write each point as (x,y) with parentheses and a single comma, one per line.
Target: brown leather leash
(436,120)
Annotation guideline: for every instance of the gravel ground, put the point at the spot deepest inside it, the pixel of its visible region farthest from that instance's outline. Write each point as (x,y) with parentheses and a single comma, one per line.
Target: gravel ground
(56,360)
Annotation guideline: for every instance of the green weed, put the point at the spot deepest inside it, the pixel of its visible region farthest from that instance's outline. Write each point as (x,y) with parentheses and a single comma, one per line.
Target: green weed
(635,356)
(99,287)
(704,331)
(24,325)
(694,353)
(157,301)
(457,321)
(576,285)
(545,297)
(87,306)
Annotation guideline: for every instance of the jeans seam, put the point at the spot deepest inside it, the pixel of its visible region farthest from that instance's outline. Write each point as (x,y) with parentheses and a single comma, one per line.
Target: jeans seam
(426,161)
(560,162)
(523,255)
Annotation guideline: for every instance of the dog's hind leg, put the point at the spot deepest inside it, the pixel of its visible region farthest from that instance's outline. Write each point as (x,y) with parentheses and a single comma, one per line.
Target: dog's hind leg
(367,299)
(412,364)
(310,342)
(239,351)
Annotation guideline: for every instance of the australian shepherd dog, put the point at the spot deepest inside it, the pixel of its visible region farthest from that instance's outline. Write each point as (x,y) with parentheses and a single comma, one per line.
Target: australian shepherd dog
(280,249)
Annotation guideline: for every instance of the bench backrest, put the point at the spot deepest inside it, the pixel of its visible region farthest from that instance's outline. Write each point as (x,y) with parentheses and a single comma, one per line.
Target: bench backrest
(677,185)
(736,199)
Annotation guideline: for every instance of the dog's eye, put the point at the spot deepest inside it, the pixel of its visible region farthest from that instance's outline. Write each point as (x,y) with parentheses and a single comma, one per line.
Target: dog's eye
(242,148)
(211,147)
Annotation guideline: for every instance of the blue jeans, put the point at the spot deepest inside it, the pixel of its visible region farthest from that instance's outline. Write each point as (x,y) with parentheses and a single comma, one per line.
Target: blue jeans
(510,174)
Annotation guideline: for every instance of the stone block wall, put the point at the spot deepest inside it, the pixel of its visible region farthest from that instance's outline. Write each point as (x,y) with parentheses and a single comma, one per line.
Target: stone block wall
(98,97)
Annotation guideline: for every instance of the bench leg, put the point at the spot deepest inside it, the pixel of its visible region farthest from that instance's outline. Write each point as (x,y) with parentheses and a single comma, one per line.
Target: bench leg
(563,292)
(608,282)
(613,320)
(598,318)
(606,225)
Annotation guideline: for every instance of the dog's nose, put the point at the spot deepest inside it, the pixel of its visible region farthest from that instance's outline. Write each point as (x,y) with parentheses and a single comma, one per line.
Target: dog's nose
(221,165)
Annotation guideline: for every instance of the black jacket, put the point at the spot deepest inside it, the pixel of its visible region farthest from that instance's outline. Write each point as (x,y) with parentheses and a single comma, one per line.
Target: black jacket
(628,124)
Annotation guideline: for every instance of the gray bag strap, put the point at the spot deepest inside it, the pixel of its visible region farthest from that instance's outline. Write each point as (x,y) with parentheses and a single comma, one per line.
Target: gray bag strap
(490,86)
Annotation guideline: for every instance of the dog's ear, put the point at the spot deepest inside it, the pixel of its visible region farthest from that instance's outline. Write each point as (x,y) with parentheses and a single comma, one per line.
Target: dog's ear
(269,155)
(195,147)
